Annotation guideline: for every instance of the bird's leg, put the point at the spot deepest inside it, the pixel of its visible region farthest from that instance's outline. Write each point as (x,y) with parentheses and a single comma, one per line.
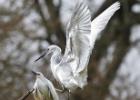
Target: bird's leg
(69,94)
(59,90)
(63,89)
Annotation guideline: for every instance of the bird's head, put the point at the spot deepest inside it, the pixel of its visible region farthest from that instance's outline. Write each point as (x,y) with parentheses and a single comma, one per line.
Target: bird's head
(43,88)
(52,49)
(49,51)
(38,74)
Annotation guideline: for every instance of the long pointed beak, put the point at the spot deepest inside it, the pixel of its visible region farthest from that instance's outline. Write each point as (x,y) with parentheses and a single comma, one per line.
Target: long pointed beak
(42,55)
(34,73)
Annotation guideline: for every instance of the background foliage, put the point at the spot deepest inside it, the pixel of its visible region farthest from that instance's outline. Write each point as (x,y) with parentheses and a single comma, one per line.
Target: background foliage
(27,27)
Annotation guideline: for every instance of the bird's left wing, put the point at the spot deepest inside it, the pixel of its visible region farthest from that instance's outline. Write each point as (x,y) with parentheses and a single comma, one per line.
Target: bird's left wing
(78,35)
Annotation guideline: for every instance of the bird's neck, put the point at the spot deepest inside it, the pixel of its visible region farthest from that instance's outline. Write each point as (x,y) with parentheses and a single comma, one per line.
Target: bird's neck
(56,57)
(55,60)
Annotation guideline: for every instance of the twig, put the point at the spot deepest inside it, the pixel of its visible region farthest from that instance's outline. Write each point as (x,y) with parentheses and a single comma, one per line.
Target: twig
(26,95)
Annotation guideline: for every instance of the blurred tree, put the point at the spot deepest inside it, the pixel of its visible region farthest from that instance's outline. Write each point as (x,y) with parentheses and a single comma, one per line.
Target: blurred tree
(124,89)
(117,32)
(28,26)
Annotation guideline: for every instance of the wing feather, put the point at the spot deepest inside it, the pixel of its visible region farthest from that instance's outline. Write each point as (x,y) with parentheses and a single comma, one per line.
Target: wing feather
(78,31)
(100,22)
(98,25)
(82,33)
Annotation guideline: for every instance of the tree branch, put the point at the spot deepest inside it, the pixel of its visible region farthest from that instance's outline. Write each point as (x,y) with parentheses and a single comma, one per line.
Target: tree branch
(52,25)
(44,20)
(24,97)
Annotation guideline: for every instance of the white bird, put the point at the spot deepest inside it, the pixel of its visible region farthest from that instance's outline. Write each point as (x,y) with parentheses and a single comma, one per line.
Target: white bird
(70,69)
(43,88)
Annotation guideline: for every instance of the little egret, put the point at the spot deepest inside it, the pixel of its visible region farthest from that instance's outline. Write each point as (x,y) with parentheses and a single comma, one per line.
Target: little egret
(43,88)
(70,69)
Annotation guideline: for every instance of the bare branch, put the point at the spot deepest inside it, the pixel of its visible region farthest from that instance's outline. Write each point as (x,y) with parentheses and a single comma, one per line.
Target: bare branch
(52,25)
(53,11)
(26,95)
(8,26)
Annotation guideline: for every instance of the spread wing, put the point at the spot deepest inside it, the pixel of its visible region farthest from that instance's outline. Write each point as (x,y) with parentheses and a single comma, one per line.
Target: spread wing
(78,31)
(100,22)
(82,33)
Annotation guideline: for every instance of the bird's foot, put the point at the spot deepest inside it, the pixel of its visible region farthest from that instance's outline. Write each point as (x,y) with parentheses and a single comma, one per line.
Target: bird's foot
(59,90)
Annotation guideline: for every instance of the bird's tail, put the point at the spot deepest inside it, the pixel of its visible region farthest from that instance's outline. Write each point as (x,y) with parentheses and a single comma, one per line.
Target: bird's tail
(81,78)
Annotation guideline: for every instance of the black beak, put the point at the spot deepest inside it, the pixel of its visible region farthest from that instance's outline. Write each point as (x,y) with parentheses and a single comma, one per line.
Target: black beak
(34,73)
(42,55)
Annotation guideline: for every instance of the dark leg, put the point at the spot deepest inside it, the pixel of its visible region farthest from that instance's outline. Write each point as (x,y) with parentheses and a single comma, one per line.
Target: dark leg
(68,94)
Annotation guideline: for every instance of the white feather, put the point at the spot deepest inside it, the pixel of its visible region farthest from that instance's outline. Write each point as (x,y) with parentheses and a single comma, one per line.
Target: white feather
(44,89)
(99,23)
(83,37)
(71,69)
